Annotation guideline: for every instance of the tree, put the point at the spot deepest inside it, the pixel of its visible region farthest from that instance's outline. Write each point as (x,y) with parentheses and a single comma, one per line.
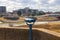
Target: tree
(41,13)
(19,13)
(33,13)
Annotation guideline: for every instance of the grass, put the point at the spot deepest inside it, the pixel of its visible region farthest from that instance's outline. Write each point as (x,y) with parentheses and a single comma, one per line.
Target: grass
(56,30)
(21,18)
(54,26)
(1,18)
(38,18)
(46,18)
(41,18)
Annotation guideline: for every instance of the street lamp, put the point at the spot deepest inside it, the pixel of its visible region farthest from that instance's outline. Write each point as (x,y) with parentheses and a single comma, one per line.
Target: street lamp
(30,21)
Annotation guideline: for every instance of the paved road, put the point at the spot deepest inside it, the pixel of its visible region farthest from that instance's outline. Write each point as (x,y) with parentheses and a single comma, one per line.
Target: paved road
(15,24)
(24,21)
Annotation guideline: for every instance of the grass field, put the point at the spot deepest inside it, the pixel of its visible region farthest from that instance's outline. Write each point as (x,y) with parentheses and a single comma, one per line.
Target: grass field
(41,18)
(54,26)
(38,18)
(46,18)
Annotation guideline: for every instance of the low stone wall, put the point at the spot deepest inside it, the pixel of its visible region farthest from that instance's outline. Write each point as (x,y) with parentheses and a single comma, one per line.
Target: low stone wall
(23,34)
(48,35)
(20,34)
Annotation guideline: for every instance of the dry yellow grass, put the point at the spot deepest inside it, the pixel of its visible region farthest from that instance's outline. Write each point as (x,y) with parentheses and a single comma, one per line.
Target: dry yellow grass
(38,18)
(2,18)
(47,18)
(54,26)
(41,18)
(21,18)
(50,25)
(57,30)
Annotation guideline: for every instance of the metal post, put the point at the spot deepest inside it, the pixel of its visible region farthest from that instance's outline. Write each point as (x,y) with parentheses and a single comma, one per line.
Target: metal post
(31,33)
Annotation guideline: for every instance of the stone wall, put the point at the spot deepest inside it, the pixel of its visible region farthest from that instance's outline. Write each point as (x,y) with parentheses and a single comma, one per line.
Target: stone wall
(14,34)
(46,36)
(23,34)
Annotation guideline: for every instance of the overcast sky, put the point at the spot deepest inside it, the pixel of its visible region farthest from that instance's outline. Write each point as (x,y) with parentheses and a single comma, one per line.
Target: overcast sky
(45,5)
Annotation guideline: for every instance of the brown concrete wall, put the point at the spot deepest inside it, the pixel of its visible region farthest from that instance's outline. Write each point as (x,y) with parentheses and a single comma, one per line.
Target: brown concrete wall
(21,34)
(13,34)
(46,36)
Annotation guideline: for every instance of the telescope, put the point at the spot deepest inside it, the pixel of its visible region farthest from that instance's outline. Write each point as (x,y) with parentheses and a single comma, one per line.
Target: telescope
(30,21)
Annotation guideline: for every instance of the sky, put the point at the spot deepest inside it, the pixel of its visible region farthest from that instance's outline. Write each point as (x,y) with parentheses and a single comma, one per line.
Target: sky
(44,5)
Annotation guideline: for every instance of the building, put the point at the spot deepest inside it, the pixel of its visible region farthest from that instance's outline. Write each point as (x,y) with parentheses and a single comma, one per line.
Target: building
(2,10)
